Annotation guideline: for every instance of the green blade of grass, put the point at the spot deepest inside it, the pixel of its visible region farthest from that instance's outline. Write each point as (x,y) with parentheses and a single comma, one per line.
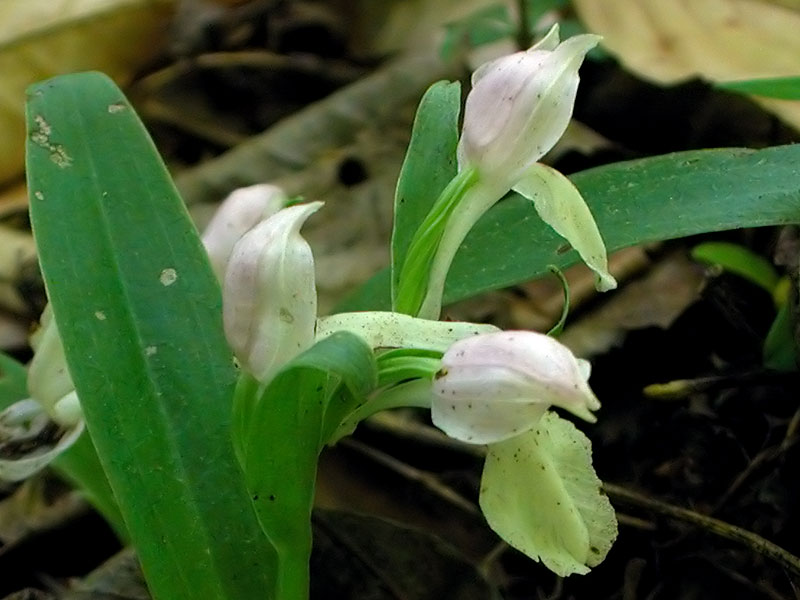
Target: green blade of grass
(781,88)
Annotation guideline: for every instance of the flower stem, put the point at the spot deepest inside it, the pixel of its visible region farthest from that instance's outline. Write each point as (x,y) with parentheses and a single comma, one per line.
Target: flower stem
(415,393)
(293,574)
(412,284)
(476,200)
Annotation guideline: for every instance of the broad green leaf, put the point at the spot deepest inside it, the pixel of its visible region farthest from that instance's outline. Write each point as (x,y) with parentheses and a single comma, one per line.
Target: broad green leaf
(429,166)
(638,201)
(138,309)
(13,381)
(279,432)
(739,260)
(540,494)
(41,38)
(782,88)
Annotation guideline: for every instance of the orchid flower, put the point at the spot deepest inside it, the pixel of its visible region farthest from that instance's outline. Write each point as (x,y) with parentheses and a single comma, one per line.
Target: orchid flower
(519,106)
(495,386)
(269,303)
(538,491)
(269,291)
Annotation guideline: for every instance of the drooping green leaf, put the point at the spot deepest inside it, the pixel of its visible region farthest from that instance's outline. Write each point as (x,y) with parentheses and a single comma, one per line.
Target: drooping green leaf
(780,346)
(638,201)
(278,434)
(782,88)
(739,260)
(138,309)
(429,166)
(540,493)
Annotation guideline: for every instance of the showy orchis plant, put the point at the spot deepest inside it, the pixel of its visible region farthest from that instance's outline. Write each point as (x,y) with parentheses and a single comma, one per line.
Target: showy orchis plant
(144,340)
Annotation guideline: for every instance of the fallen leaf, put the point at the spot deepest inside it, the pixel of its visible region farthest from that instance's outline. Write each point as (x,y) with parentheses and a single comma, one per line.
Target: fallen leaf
(718,40)
(43,38)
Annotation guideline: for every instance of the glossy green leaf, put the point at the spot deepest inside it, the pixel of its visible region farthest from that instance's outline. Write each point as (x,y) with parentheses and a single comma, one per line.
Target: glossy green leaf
(138,309)
(739,260)
(638,201)
(429,166)
(278,434)
(782,88)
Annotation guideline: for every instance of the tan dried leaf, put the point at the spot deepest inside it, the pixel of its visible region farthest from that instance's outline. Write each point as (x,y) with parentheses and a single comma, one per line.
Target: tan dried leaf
(718,40)
(43,38)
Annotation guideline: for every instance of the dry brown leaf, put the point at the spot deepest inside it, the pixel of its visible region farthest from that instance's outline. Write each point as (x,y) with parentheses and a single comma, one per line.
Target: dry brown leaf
(43,38)
(718,40)
(657,299)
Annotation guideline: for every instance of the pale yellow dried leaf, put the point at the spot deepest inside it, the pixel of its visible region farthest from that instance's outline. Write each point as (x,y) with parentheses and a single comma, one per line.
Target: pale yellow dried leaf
(43,38)
(717,40)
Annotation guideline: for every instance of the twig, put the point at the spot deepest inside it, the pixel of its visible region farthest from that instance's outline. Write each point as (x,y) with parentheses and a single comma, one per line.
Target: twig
(681,388)
(428,481)
(725,530)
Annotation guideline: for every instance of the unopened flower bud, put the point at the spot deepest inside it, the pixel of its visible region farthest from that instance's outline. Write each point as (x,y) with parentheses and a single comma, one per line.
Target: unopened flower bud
(242,210)
(496,386)
(520,105)
(269,297)
(49,381)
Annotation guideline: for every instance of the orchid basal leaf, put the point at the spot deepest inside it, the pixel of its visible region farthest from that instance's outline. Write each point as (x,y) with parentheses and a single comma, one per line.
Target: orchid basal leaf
(138,311)
(540,494)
